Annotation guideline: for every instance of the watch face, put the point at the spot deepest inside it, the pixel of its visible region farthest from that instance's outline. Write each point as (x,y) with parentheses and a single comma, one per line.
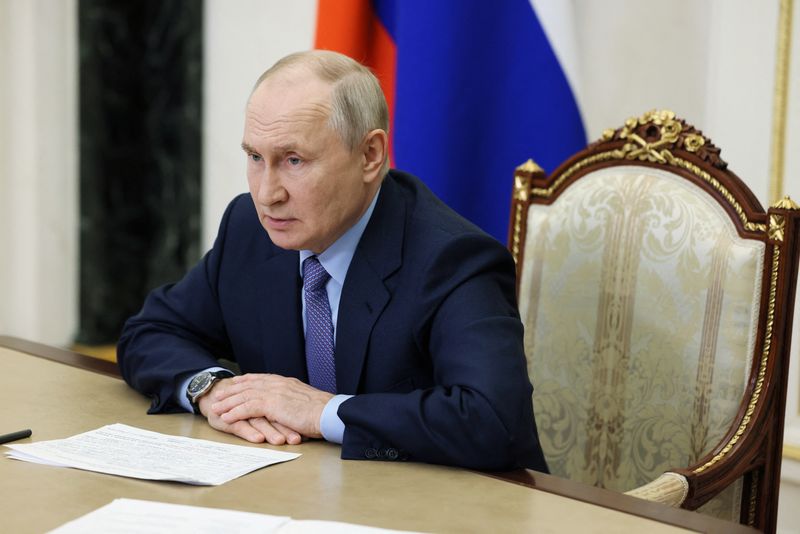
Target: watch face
(199,383)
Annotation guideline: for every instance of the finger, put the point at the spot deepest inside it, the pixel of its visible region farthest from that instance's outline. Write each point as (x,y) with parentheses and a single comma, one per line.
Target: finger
(271,431)
(292,437)
(229,403)
(245,410)
(243,429)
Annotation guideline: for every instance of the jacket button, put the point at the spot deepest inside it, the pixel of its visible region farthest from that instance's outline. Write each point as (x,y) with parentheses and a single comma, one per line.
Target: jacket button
(370,453)
(392,454)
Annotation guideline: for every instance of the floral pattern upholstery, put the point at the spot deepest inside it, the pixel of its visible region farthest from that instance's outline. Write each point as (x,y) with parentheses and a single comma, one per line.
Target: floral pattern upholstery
(640,303)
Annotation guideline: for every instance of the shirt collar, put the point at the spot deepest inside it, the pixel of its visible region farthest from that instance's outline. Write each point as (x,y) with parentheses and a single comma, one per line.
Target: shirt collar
(336,258)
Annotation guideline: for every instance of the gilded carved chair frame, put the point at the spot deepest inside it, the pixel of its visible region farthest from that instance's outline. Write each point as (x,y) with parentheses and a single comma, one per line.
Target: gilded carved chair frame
(753,444)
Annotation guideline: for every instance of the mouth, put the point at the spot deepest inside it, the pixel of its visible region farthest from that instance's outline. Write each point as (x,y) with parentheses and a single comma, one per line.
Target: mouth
(277,223)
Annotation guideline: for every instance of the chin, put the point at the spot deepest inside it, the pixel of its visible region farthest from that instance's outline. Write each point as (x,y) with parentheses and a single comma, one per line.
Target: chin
(286,242)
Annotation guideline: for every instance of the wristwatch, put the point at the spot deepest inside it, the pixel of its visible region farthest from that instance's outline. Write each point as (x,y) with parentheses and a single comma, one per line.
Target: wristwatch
(201,384)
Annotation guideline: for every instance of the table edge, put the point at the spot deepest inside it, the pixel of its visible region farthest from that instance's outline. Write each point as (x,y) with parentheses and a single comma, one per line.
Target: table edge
(67,357)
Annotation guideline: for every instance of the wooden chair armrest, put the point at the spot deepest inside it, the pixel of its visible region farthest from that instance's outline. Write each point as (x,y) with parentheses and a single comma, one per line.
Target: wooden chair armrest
(670,489)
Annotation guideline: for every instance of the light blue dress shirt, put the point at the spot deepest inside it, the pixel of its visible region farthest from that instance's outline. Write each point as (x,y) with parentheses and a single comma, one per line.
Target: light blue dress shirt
(336,261)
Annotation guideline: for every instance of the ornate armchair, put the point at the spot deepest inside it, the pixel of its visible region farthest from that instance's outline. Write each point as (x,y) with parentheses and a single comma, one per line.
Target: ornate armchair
(657,299)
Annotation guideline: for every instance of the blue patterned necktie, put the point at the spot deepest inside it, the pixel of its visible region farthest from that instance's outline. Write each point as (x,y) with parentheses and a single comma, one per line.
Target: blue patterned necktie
(319,327)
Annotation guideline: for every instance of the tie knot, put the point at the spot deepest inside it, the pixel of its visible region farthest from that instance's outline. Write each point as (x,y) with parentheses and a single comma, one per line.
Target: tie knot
(314,274)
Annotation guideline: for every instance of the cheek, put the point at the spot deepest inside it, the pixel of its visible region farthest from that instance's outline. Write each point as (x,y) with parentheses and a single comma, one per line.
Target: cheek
(331,203)
(316,208)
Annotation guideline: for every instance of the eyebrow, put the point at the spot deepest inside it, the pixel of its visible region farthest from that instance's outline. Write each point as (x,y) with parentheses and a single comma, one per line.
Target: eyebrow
(247,148)
(290,146)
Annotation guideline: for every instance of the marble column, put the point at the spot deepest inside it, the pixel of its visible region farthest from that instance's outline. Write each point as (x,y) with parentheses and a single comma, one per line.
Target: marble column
(140,154)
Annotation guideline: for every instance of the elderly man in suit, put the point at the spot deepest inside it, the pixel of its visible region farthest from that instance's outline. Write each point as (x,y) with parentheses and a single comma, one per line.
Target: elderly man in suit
(368,313)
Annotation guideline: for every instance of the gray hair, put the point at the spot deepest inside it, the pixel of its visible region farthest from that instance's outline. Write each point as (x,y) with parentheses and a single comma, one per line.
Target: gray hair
(358,104)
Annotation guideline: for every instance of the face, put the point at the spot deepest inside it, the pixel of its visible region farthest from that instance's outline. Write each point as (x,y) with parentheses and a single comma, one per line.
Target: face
(307,185)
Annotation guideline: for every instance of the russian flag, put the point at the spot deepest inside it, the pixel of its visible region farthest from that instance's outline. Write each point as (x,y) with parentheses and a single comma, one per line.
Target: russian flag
(474,88)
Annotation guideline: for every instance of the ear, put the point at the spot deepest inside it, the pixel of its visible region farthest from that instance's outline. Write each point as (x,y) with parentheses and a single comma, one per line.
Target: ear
(375,150)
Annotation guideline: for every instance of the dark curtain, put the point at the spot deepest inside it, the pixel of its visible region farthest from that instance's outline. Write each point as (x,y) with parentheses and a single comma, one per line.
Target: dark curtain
(140,154)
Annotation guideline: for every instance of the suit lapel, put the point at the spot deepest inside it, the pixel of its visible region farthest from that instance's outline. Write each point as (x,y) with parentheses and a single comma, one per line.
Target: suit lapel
(281,321)
(364,294)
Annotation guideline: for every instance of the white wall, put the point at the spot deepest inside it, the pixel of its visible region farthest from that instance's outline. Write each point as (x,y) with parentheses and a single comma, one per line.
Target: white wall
(711,62)
(788,509)
(38,170)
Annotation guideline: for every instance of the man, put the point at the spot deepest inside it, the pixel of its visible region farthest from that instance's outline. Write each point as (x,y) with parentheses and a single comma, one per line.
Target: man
(367,313)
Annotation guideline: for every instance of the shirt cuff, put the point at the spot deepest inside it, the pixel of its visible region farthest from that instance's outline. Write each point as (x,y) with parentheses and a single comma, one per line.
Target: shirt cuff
(330,424)
(180,393)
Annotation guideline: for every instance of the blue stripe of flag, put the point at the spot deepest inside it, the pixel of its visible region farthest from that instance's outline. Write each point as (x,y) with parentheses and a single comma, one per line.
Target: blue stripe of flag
(479,91)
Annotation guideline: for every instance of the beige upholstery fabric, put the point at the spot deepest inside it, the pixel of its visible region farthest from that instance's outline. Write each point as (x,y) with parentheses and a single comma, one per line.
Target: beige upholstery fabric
(640,306)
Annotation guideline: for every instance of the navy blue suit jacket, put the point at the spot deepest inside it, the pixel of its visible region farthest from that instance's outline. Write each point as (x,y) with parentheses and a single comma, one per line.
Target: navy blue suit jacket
(428,336)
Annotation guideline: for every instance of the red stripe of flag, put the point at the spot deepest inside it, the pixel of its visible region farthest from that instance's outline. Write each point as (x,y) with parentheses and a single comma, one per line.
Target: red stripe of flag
(353,28)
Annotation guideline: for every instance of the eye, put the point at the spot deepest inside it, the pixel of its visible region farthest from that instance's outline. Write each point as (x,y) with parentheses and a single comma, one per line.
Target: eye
(294,161)
(255,157)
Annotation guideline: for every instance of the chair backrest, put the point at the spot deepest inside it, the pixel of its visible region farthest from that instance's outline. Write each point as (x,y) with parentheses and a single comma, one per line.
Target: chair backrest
(657,299)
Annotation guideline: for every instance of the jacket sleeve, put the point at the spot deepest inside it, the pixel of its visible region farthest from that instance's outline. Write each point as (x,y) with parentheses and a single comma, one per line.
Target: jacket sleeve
(478,414)
(179,330)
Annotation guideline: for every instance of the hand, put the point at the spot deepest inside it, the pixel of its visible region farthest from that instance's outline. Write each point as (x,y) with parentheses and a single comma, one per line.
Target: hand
(255,430)
(284,403)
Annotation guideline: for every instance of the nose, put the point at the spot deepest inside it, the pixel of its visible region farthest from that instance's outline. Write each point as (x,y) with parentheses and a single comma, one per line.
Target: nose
(270,188)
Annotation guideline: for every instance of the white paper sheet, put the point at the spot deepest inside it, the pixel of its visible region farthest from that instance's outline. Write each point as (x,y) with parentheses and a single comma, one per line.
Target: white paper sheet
(131,516)
(132,452)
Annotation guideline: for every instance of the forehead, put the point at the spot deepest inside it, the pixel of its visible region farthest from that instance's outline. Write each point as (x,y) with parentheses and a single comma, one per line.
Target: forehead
(289,102)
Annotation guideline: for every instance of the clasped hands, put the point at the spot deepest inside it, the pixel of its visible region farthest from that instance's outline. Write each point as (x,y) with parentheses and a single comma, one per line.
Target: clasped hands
(264,407)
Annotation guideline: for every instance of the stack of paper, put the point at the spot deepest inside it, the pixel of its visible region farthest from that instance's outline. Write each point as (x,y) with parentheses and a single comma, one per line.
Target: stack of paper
(132,452)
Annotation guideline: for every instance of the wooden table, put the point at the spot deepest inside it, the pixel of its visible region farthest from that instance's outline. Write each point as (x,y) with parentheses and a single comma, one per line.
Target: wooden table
(58,394)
